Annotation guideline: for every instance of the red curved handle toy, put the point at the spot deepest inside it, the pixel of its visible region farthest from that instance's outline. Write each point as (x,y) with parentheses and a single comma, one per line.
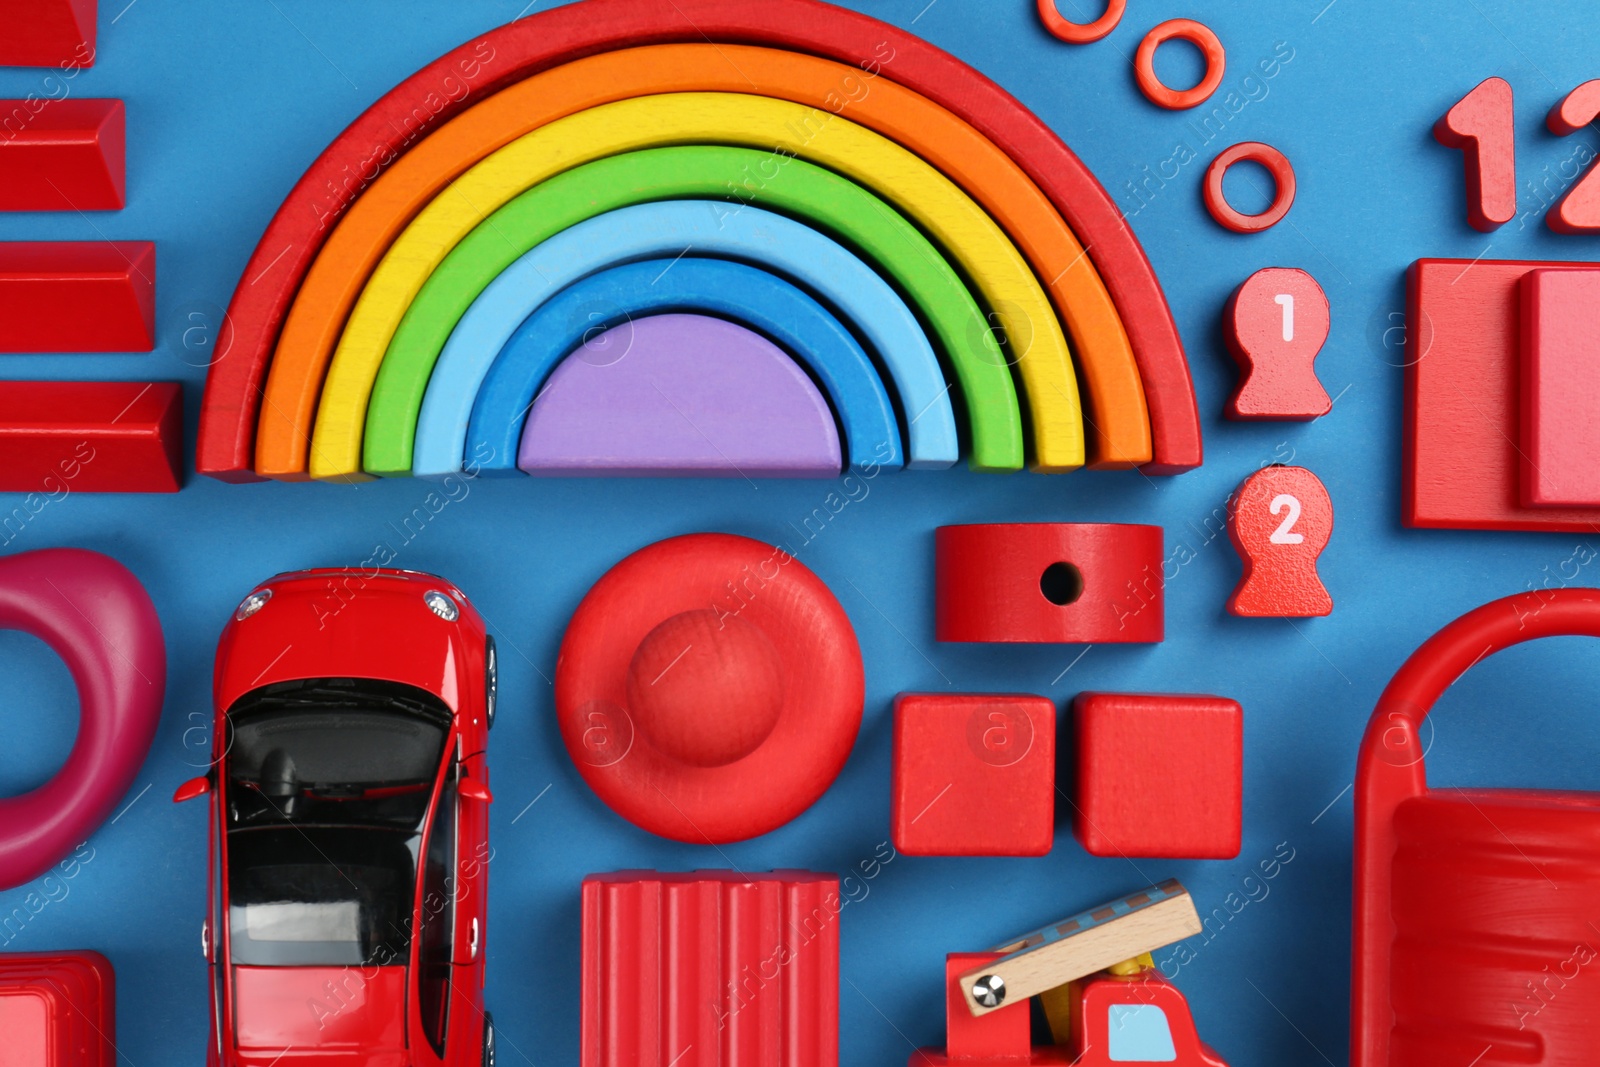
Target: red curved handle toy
(95,615)
(1390,770)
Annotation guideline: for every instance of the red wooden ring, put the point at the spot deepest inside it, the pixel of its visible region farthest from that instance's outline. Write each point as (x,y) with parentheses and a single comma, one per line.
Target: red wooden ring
(1061,582)
(1197,34)
(1081,32)
(709,688)
(95,615)
(1282,176)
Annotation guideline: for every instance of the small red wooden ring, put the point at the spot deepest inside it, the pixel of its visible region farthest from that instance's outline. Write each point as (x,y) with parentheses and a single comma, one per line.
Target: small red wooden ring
(1197,34)
(1081,32)
(1282,176)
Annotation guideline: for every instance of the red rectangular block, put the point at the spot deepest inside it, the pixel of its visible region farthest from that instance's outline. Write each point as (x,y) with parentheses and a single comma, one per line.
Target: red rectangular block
(1463,406)
(77,296)
(1560,388)
(710,969)
(62,155)
(91,437)
(47,33)
(57,1009)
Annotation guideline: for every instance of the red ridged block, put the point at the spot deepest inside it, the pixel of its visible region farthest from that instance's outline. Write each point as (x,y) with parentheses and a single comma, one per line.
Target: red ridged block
(68,155)
(47,33)
(91,437)
(1065,582)
(57,1009)
(77,296)
(1159,776)
(710,969)
(974,775)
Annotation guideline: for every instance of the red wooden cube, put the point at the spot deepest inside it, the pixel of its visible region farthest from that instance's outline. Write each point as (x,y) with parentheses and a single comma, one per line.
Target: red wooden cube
(974,775)
(57,1009)
(1159,776)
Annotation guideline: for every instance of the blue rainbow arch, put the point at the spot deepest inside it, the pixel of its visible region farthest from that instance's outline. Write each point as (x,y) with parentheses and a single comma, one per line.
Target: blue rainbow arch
(746,295)
(668,228)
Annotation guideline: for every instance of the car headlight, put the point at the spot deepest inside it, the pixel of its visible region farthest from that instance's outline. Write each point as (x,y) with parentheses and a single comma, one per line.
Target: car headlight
(252,604)
(441,605)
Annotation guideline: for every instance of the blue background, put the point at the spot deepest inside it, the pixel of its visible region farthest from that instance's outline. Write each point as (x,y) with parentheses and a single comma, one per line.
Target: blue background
(228,103)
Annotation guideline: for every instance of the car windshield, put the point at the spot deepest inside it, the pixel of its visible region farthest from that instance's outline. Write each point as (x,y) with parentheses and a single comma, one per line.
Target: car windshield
(328,787)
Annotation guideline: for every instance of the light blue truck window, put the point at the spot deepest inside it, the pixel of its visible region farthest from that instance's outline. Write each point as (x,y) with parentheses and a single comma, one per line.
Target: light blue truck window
(1140,1034)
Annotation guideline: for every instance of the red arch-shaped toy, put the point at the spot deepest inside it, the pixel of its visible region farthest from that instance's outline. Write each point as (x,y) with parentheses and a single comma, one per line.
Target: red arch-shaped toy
(505,55)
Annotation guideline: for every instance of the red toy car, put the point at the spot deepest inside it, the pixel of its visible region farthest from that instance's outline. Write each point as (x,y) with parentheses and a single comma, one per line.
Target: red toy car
(350,825)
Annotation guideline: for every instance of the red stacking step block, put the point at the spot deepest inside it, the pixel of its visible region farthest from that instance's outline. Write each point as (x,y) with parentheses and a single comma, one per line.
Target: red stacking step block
(710,969)
(72,296)
(47,33)
(91,437)
(62,155)
(57,1009)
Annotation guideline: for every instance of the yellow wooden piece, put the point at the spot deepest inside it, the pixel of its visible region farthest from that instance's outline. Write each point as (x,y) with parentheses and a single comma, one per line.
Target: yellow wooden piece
(991,262)
(1057,1004)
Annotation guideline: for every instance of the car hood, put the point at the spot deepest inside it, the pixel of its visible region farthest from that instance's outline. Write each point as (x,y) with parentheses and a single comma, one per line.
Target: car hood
(309,1016)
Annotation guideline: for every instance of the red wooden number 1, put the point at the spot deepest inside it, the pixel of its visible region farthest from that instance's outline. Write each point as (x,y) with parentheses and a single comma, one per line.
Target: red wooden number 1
(1483,127)
(1275,325)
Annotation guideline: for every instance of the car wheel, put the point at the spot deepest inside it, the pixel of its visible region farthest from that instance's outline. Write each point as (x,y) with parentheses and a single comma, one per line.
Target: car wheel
(491,681)
(488,1040)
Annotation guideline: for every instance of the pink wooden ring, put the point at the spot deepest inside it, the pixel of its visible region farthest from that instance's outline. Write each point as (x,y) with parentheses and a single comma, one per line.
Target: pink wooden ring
(1282,176)
(1197,34)
(95,615)
(1081,32)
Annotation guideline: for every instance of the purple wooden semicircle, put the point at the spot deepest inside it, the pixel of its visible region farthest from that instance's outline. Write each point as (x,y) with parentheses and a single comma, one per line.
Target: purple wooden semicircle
(680,394)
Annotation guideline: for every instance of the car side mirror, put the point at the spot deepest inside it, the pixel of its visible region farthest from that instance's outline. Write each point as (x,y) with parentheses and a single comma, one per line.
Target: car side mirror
(474,789)
(194,787)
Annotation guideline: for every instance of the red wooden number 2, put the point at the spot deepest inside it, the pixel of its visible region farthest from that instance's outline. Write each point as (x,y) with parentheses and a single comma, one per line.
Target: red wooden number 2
(1579,210)
(1281,521)
(1483,127)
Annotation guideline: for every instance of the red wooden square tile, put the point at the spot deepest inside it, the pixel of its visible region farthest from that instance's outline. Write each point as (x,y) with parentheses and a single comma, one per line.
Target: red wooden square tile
(1159,776)
(973,775)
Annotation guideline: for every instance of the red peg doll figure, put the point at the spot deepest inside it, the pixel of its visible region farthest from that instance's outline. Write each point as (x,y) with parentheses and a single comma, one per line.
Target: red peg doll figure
(1281,522)
(1276,324)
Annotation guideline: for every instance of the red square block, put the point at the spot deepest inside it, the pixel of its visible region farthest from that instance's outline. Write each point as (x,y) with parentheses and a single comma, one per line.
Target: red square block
(62,155)
(47,33)
(57,1009)
(77,296)
(1159,776)
(973,775)
(90,437)
(1560,389)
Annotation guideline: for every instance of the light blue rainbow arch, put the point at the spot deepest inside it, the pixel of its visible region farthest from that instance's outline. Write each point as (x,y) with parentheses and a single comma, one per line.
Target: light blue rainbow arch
(776,243)
(765,303)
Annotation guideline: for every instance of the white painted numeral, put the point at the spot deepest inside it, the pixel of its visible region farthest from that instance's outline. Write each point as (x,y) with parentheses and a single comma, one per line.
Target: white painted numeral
(1286,301)
(1284,534)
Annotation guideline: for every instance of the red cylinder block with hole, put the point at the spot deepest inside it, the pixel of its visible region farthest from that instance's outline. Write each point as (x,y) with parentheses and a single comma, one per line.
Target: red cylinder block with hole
(1103,586)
